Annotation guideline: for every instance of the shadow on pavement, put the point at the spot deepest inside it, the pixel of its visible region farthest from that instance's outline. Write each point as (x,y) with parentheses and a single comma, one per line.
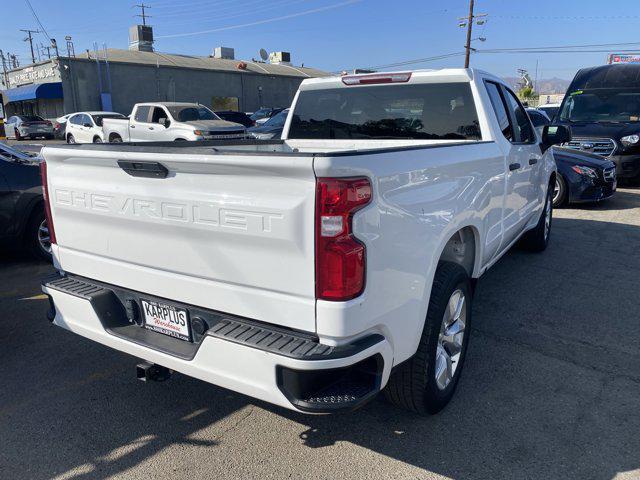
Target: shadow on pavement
(551,388)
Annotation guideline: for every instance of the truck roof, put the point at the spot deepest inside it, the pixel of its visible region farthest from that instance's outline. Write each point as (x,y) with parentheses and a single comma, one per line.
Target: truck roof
(417,76)
(606,76)
(168,104)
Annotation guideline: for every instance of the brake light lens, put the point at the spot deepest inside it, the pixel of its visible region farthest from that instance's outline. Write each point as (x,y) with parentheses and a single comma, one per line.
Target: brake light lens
(47,203)
(376,78)
(340,256)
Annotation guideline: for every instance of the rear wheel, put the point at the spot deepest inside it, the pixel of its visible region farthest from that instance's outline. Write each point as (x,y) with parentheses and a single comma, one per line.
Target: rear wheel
(559,192)
(71,139)
(97,140)
(115,139)
(427,381)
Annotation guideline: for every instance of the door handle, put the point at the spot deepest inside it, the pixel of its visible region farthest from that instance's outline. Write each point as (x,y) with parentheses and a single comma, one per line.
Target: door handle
(150,128)
(533,161)
(144,169)
(514,166)
(132,126)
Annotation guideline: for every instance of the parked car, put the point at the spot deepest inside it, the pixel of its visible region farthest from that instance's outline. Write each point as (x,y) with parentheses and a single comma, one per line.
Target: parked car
(582,176)
(22,215)
(28,126)
(170,121)
(313,271)
(602,106)
(264,114)
(86,127)
(236,117)
(60,125)
(551,109)
(539,119)
(272,128)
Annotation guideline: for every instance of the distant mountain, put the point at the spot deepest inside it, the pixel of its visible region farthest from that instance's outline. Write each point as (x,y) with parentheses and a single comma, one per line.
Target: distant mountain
(545,85)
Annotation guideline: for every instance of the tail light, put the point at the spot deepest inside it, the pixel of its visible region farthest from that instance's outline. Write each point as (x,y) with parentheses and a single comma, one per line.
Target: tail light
(340,256)
(47,202)
(376,78)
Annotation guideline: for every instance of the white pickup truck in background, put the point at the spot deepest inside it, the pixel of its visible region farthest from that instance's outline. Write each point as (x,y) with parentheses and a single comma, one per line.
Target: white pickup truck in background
(169,122)
(314,271)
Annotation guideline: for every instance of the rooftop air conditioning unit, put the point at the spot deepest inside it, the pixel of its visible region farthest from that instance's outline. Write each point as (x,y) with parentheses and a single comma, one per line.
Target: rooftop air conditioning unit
(226,53)
(280,57)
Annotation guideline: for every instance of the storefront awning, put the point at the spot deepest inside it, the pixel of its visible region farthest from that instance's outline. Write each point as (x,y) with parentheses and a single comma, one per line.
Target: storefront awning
(31,92)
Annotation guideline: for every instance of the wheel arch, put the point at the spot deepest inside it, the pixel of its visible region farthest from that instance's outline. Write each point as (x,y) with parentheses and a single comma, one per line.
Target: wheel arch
(463,248)
(113,136)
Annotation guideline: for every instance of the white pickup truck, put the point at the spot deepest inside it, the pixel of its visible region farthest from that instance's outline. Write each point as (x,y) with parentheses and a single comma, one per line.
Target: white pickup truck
(315,271)
(170,122)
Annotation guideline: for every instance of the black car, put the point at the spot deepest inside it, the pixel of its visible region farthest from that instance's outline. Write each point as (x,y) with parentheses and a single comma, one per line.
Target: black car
(236,117)
(272,128)
(264,114)
(582,177)
(22,215)
(602,106)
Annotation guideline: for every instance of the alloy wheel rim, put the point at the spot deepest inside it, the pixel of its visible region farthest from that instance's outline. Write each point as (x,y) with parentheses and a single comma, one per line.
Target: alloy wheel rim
(556,190)
(44,239)
(450,339)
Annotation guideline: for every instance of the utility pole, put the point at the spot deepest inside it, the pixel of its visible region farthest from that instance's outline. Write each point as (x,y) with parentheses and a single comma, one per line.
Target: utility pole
(30,40)
(4,70)
(54,45)
(144,16)
(468,22)
(469,28)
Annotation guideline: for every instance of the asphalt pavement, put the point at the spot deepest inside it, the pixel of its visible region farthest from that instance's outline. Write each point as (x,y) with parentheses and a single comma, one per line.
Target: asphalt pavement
(551,387)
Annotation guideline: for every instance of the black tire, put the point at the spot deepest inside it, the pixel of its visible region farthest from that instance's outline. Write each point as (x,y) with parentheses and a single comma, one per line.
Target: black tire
(413,384)
(115,139)
(537,240)
(97,140)
(32,240)
(71,139)
(560,198)
(17,135)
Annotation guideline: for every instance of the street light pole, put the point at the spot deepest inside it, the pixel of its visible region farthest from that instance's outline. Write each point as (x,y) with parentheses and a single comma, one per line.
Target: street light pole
(469,28)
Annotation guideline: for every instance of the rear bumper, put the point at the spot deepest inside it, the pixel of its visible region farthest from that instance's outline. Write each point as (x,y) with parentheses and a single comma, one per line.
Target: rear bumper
(283,367)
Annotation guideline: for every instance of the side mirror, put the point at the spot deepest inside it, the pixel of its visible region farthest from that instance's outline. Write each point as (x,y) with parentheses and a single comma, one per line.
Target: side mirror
(554,135)
(165,121)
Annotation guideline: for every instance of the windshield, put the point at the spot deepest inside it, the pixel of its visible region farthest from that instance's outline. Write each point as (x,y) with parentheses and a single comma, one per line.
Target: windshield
(602,105)
(419,112)
(277,120)
(97,119)
(192,113)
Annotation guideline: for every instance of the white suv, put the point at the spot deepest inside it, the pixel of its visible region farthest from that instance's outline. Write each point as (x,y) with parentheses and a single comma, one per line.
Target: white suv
(86,127)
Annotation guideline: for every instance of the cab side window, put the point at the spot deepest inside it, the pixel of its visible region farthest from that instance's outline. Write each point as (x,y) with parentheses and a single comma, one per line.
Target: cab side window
(524,131)
(500,110)
(158,114)
(142,114)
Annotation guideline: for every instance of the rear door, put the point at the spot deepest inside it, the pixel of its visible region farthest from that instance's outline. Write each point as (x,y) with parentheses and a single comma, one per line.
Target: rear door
(139,124)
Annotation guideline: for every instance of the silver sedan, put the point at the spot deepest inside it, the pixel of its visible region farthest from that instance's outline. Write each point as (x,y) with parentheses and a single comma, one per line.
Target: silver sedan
(28,126)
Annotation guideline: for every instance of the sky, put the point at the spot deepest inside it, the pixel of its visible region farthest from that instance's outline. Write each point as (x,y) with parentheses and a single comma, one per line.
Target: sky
(335,35)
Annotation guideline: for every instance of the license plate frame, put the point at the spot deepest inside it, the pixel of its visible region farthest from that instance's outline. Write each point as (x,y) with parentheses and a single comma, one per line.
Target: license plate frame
(167,319)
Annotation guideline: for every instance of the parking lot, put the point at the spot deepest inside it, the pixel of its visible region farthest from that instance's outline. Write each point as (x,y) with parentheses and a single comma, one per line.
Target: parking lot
(551,387)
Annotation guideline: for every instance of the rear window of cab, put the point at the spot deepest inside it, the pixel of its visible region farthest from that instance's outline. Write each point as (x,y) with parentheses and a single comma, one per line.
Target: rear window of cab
(435,111)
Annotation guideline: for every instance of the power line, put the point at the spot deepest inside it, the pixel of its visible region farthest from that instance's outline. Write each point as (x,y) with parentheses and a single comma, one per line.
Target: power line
(44,30)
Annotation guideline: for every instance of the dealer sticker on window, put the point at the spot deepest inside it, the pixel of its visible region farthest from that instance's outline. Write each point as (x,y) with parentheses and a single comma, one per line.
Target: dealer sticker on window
(166,319)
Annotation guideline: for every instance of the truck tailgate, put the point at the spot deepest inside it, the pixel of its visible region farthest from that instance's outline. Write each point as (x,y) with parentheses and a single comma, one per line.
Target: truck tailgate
(233,233)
